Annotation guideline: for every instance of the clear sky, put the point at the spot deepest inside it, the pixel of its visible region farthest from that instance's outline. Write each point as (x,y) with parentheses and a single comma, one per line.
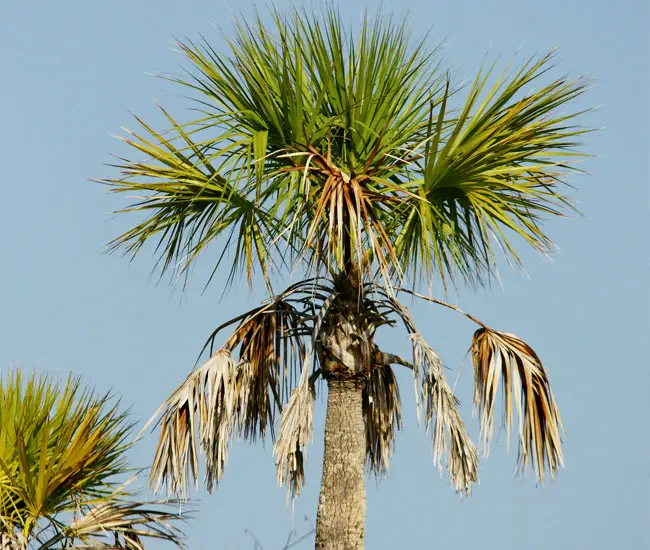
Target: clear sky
(72,70)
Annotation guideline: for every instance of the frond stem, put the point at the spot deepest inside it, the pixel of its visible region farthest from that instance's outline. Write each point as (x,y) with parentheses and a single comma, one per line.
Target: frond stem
(445,304)
(385,359)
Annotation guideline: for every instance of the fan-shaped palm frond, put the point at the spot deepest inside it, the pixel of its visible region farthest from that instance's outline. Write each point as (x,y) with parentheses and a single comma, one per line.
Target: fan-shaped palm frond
(494,173)
(526,390)
(62,453)
(357,159)
(348,153)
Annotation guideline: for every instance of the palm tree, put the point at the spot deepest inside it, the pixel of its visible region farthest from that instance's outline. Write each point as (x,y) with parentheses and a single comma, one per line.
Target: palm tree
(62,454)
(342,157)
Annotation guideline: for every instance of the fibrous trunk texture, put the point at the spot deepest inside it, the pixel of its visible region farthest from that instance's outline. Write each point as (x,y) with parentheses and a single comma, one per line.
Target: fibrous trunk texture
(341,517)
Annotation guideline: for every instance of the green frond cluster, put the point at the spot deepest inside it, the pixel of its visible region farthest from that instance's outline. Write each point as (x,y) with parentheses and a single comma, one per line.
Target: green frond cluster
(311,145)
(494,173)
(62,460)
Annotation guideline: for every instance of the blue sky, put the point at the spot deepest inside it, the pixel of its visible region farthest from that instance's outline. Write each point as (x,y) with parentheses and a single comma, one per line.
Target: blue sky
(69,77)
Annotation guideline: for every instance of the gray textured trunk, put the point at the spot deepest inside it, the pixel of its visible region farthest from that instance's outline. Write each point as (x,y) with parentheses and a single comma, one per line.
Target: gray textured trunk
(341,517)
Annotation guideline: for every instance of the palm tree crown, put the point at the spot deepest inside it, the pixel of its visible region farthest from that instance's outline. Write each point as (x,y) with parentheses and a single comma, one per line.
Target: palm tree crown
(344,156)
(308,142)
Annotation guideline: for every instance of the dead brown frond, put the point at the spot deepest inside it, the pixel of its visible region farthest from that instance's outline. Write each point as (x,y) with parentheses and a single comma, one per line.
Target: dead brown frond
(127,521)
(441,416)
(442,419)
(297,418)
(270,343)
(227,396)
(526,390)
(200,413)
(296,430)
(382,411)
(270,350)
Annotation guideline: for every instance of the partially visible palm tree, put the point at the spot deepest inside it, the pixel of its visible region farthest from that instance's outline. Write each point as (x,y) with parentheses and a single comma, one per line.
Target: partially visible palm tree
(62,468)
(311,149)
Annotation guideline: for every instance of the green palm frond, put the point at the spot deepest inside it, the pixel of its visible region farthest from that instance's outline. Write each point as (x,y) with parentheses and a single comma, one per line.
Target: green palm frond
(190,201)
(62,453)
(353,157)
(301,132)
(496,172)
(55,442)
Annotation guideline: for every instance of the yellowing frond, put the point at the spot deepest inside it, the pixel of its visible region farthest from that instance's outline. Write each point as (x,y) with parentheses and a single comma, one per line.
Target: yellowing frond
(62,463)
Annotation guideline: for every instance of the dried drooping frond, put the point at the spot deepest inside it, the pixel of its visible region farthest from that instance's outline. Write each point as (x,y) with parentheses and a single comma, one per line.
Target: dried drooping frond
(450,435)
(526,390)
(270,346)
(441,415)
(497,354)
(198,414)
(226,396)
(270,343)
(128,521)
(297,418)
(382,412)
(296,430)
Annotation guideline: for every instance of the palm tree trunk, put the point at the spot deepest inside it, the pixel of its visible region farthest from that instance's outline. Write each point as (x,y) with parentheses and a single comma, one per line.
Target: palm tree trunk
(341,517)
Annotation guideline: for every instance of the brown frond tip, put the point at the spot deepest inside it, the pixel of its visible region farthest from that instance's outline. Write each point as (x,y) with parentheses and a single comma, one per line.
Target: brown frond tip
(382,412)
(526,389)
